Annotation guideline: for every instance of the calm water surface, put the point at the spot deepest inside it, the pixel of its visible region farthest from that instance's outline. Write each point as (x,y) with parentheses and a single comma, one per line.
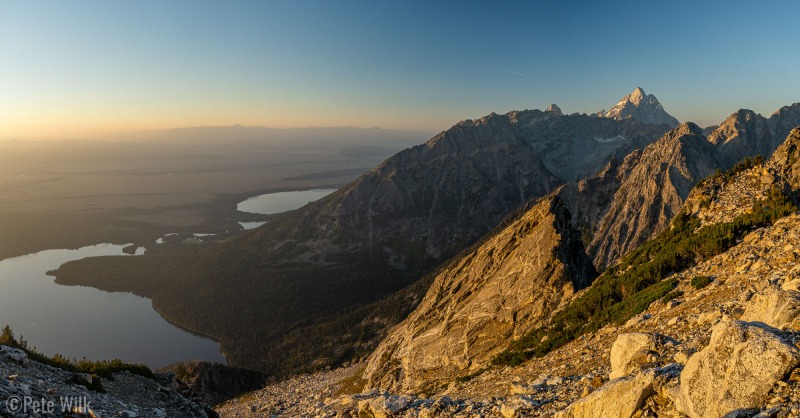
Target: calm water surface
(267,204)
(82,321)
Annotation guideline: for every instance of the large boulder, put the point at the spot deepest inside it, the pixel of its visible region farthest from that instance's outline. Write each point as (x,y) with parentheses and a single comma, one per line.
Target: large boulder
(774,307)
(735,371)
(619,398)
(631,352)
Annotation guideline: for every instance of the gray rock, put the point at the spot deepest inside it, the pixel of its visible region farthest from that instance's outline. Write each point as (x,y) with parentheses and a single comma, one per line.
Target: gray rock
(774,307)
(735,371)
(617,398)
(631,352)
(14,354)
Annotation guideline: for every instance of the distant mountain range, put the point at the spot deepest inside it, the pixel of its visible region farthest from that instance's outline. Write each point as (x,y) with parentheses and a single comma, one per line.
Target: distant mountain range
(323,284)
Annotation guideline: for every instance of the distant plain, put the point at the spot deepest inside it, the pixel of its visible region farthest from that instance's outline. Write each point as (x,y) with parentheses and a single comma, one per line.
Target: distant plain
(135,188)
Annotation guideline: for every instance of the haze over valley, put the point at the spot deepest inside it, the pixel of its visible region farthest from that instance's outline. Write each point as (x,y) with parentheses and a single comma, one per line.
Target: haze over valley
(399,210)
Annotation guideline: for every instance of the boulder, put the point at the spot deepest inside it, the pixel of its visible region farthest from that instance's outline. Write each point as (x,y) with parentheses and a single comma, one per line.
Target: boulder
(631,352)
(14,354)
(774,307)
(735,371)
(519,406)
(618,398)
(382,406)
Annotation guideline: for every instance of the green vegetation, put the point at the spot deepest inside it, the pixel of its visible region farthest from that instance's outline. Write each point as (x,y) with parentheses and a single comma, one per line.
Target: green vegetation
(671,295)
(699,282)
(746,164)
(103,368)
(628,288)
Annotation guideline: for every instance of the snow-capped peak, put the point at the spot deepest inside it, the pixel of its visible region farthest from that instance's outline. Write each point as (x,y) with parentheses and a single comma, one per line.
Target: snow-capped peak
(642,107)
(555,109)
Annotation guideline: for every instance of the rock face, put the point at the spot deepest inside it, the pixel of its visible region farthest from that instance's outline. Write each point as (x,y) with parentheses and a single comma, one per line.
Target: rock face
(649,188)
(652,192)
(642,107)
(217,383)
(589,199)
(477,305)
(554,109)
(786,160)
(430,201)
(746,133)
(736,371)
(743,134)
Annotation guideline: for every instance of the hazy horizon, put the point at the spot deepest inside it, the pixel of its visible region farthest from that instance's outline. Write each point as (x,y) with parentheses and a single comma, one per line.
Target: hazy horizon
(85,69)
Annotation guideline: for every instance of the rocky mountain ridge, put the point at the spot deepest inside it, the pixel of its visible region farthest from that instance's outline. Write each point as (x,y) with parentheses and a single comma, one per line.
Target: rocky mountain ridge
(725,339)
(652,192)
(478,170)
(625,204)
(488,298)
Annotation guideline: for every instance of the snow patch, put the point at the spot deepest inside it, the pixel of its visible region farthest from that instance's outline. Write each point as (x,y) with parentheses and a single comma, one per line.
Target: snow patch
(610,140)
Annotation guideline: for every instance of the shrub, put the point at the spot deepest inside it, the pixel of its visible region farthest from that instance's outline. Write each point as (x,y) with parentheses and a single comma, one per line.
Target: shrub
(699,282)
(671,295)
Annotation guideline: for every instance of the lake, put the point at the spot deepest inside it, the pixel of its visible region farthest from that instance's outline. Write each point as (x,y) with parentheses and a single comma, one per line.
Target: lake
(78,321)
(267,204)
(85,322)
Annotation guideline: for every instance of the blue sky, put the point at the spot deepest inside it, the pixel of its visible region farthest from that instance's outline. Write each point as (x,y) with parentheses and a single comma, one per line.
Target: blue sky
(75,68)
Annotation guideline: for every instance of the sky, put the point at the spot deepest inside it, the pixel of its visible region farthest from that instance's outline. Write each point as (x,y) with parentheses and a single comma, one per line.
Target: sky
(89,68)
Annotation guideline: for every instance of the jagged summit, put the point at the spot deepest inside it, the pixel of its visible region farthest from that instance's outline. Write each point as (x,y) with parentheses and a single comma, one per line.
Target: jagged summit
(641,107)
(637,95)
(555,109)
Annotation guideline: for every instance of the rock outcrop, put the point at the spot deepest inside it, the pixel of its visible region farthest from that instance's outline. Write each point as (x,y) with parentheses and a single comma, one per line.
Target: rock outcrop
(642,107)
(736,371)
(216,383)
(630,352)
(619,398)
(786,160)
(509,284)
